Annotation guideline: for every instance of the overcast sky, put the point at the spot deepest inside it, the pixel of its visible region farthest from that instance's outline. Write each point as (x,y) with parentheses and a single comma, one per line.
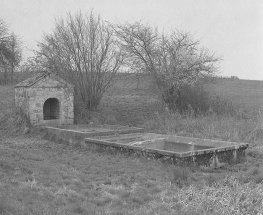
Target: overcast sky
(231,28)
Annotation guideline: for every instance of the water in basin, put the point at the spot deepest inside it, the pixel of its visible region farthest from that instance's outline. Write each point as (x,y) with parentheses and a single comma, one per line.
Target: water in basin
(173,146)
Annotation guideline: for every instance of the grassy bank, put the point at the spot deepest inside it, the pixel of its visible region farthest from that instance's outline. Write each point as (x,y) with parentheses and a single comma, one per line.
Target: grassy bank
(42,177)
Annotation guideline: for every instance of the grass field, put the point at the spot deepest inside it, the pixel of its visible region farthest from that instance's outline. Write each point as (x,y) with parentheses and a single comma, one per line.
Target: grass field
(38,176)
(247,93)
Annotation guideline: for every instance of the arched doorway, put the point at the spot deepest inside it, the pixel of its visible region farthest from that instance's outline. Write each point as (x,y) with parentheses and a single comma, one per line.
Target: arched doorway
(51,109)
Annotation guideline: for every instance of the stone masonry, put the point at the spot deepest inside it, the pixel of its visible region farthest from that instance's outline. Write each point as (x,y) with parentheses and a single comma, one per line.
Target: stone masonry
(47,99)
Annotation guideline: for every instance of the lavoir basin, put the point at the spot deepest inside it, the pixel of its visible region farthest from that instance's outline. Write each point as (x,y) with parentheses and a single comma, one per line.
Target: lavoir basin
(77,133)
(176,149)
(132,141)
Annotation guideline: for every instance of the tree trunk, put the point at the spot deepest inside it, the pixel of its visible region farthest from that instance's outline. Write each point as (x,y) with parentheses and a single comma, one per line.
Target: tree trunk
(5,76)
(12,72)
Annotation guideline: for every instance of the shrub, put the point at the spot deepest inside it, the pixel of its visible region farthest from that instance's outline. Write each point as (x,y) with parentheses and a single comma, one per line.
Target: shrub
(16,120)
(222,106)
(191,99)
(196,100)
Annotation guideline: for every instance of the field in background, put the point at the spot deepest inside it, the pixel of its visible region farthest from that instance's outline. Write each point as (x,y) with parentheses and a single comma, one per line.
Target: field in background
(38,176)
(133,100)
(246,93)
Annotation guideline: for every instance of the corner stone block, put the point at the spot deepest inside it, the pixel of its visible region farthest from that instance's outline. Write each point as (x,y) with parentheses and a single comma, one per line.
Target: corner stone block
(39,117)
(36,110)
(32,93)
(38,105)
(33,117)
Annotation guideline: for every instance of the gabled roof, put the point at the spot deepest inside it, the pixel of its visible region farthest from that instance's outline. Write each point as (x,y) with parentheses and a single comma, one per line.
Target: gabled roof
(36,78)
(32,80)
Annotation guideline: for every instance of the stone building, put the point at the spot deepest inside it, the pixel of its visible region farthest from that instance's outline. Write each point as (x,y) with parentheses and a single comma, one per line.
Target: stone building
(47,99)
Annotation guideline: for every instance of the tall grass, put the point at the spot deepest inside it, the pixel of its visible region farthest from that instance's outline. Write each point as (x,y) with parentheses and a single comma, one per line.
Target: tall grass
(208,126)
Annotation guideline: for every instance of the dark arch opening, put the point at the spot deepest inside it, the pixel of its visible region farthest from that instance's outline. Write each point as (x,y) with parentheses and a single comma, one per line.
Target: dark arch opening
(51,109)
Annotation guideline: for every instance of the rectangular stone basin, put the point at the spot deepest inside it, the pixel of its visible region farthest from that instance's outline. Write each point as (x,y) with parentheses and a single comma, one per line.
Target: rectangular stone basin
(77,133)
(132,140)
(177,149)
(159,144)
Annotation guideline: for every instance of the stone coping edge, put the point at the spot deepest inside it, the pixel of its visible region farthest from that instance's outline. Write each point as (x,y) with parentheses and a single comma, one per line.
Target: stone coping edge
(169,153)
(127,130)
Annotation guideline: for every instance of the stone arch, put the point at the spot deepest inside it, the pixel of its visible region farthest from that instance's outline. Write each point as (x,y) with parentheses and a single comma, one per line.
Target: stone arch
(51,109)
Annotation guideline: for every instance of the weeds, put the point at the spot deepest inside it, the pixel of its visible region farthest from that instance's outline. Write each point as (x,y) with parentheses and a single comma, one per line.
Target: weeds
(180,176)
(211,127)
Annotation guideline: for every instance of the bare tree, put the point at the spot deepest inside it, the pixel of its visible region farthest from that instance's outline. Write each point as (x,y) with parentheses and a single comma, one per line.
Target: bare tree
(4,39)
(172,61)
(10,51)
(16,53)
(85,47)
(36,63)
(5,53)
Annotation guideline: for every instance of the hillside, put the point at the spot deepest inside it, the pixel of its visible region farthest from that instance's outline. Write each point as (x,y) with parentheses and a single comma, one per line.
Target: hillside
(38,176)
(243,92)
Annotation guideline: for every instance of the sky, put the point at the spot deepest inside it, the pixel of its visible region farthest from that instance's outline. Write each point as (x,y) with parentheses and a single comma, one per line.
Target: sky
(231,28)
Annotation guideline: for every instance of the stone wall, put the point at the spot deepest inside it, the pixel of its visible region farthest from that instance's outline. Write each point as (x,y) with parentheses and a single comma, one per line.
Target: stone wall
(37,98)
